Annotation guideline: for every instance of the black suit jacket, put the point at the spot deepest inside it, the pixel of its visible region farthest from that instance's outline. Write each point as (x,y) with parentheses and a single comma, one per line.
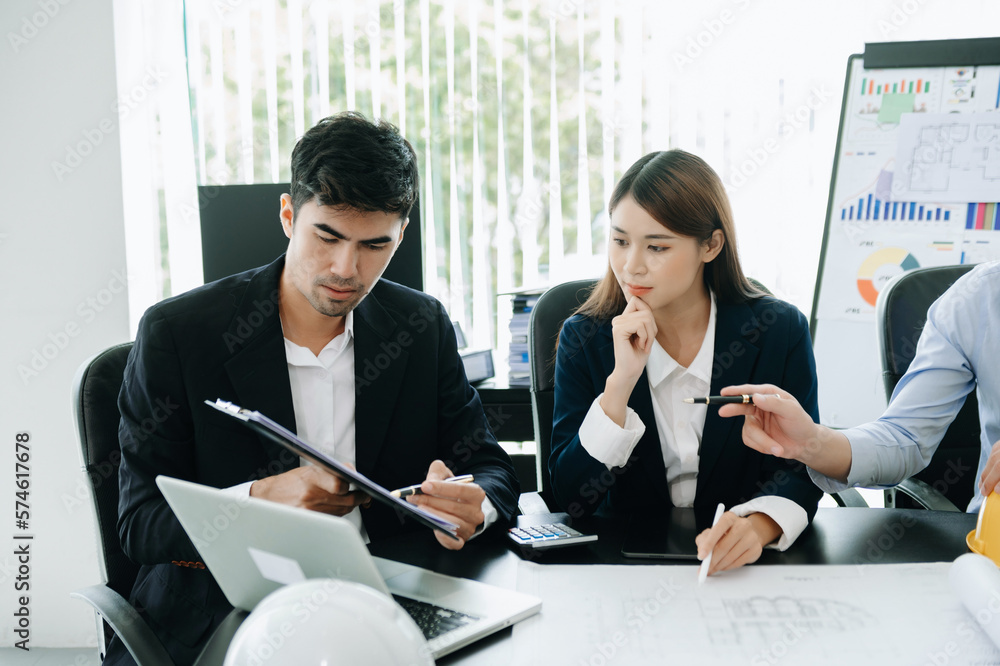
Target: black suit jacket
(763,341)
(224,340)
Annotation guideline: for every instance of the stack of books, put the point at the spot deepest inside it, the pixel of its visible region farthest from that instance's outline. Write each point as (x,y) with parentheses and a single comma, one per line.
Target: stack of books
(520,369)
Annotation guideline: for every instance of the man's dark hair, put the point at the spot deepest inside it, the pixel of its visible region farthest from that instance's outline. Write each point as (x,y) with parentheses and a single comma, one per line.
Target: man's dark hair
(348,161)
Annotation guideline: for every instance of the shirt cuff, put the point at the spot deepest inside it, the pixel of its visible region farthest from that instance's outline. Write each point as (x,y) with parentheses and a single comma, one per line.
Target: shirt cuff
(791,518)
(864,459)
(489,517)
(605,440)
(239,492)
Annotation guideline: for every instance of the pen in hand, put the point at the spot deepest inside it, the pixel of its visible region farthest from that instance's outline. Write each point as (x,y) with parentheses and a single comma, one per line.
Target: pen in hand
(415,490)
(706,564)
(723,400)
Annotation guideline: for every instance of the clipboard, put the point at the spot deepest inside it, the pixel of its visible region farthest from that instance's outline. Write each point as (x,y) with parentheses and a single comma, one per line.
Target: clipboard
(279,434)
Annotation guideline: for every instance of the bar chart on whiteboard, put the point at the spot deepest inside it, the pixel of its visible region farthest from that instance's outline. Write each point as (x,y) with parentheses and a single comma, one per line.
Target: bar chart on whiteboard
(916,183)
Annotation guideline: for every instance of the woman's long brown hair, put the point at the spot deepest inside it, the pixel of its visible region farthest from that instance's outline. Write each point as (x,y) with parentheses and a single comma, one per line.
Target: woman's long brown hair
(681,192)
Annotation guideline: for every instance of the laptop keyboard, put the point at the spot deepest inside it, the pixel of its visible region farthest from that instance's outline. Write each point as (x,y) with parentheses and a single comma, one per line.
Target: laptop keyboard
(433,620)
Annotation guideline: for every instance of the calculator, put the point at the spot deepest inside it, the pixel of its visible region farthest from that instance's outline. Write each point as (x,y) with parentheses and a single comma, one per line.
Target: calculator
(551,535)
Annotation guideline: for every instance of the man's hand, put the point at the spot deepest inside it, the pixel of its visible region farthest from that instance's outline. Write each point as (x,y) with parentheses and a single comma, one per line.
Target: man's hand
(736,541)
(991,473)
(777,425)
(459,503)
(312,488)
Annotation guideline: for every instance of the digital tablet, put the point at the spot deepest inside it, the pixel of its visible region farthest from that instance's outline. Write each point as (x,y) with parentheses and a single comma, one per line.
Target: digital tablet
(668,535)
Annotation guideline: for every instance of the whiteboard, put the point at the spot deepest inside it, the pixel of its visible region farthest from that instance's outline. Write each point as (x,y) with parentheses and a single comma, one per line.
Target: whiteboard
(914,144)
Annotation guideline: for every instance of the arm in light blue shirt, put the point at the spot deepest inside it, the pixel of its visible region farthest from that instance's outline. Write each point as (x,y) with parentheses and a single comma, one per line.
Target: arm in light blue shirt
(953,344)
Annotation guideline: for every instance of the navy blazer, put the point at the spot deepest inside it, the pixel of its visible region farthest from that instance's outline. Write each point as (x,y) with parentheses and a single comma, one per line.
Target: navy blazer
(224,340)
(763,341)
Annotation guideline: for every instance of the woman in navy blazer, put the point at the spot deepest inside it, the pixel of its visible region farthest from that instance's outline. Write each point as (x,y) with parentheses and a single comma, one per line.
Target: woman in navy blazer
(675,317)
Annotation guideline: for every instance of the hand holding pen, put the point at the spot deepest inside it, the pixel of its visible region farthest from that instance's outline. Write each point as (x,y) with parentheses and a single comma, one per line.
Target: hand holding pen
(416,490)
(457,499)
(744,399)
(776,424)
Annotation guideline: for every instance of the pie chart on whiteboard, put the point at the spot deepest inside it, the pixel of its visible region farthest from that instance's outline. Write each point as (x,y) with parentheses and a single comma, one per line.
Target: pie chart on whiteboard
(880,267)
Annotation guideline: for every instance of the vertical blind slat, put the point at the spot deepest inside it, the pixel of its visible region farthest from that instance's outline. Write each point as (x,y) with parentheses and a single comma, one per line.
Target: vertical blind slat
(584,241)
(481,329)
(456,277)
(296,52)
(373,30)
(504,233)
(631,85)
(350,59)
(427,201)
(608,121)
(321,30)
(241,34)
(399,28)
(270,44)
(219,172)
(528,203)
(555,186)
(192,31)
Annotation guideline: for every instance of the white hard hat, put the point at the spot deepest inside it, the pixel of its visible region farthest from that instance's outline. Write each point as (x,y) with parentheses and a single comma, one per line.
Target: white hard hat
(324,622)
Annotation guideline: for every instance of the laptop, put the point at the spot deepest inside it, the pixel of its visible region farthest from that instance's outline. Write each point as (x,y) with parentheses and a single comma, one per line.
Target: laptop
(254,546)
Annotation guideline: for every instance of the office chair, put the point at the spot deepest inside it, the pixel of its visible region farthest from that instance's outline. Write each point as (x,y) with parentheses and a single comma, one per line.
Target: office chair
(95,403)
(547,317)
(900,313)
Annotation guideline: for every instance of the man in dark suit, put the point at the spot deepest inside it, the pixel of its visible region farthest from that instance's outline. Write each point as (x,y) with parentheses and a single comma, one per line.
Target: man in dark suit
(365,369)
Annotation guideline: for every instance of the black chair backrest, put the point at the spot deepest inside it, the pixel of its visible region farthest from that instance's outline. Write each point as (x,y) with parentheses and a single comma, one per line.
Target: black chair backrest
(547,317)
(95,401)
(901,311)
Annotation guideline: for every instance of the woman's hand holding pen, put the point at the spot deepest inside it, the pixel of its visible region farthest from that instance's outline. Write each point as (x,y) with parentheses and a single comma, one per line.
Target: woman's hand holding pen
(459,503)
(633,332)
(777,425)
(734,541)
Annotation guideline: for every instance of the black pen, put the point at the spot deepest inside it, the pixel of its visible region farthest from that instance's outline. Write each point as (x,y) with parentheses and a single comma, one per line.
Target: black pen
(415,490)
(724,399)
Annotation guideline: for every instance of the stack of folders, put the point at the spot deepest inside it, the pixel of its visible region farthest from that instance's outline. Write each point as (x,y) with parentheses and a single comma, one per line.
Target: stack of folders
(520,370)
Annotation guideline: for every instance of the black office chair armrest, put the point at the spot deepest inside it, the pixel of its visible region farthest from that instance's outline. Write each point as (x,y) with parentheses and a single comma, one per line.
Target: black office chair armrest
(922,493)
(127,624)
(850,498)
(214,653)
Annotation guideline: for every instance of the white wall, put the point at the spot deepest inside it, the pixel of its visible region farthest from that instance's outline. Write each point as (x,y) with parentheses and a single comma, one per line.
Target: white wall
(63,294)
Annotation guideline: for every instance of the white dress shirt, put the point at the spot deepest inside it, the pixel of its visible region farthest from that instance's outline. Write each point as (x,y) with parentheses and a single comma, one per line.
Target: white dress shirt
(680,426)
(323,399)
